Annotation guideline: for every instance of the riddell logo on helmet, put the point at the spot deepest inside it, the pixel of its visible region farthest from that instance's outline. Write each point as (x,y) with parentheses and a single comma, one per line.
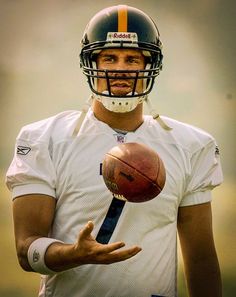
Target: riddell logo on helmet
(122,36)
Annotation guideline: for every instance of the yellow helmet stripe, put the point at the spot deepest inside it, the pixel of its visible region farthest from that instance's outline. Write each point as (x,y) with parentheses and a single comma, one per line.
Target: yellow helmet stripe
(122,18)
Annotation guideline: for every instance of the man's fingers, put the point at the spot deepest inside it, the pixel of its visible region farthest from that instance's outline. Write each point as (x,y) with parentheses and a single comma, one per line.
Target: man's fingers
(86,231)
(130,252)
(111,253)
(118,256)
(92,252)
(108,248)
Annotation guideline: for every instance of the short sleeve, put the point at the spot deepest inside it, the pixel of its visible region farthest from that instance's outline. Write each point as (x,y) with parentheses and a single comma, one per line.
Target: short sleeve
(31,170)
(205,175)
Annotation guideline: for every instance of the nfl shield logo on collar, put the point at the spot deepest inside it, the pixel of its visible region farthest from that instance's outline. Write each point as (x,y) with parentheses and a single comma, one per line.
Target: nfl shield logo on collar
(120,138)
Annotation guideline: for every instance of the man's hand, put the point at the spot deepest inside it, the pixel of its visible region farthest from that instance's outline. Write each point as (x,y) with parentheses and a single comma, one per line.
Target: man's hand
(89,251)
(86,250)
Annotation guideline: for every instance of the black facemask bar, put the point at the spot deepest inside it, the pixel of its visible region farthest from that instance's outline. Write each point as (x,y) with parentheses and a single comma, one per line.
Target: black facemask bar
(88,58)
(110,75)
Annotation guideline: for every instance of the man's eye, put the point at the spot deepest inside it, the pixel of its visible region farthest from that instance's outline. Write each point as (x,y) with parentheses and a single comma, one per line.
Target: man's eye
(109,59)
(133,61)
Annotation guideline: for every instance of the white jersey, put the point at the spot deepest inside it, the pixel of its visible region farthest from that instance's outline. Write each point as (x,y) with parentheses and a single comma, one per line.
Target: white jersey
(49,160)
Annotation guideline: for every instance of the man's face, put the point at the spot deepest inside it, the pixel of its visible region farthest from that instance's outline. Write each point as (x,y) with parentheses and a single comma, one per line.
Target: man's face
(120,59)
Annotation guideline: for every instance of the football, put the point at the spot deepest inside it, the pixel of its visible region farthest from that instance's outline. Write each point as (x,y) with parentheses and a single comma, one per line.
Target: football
(133,172)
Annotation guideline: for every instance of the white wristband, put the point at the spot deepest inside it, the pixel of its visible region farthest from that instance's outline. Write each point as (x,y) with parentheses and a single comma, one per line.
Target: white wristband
(36,253)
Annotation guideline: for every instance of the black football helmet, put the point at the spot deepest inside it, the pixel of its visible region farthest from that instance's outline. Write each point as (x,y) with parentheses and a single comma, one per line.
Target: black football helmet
(122,27)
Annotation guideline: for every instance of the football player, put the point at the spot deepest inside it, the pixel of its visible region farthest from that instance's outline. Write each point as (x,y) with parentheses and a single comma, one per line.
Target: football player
(67,224)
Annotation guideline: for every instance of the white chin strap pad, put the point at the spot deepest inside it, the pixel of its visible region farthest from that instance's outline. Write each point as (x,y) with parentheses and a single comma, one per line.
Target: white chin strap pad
(120,105)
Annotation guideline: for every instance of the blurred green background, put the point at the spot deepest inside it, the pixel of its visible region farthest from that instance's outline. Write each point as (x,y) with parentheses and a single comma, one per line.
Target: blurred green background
(40,76)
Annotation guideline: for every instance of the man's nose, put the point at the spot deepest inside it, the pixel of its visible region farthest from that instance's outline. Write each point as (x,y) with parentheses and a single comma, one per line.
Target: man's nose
(121,65)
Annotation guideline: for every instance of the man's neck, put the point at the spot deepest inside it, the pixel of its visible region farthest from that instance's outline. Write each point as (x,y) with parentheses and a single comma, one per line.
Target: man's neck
(128,121)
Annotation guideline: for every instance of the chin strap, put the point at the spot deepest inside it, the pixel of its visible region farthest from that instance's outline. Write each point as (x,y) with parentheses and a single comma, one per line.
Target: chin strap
(156,116)
(82,117)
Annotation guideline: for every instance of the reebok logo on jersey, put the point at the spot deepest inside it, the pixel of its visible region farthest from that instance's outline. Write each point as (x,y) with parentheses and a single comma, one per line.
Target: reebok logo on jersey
(23,150)
(217,151)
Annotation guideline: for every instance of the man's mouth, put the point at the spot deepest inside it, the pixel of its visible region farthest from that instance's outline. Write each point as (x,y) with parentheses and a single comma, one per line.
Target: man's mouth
(121,84)
(121,88)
